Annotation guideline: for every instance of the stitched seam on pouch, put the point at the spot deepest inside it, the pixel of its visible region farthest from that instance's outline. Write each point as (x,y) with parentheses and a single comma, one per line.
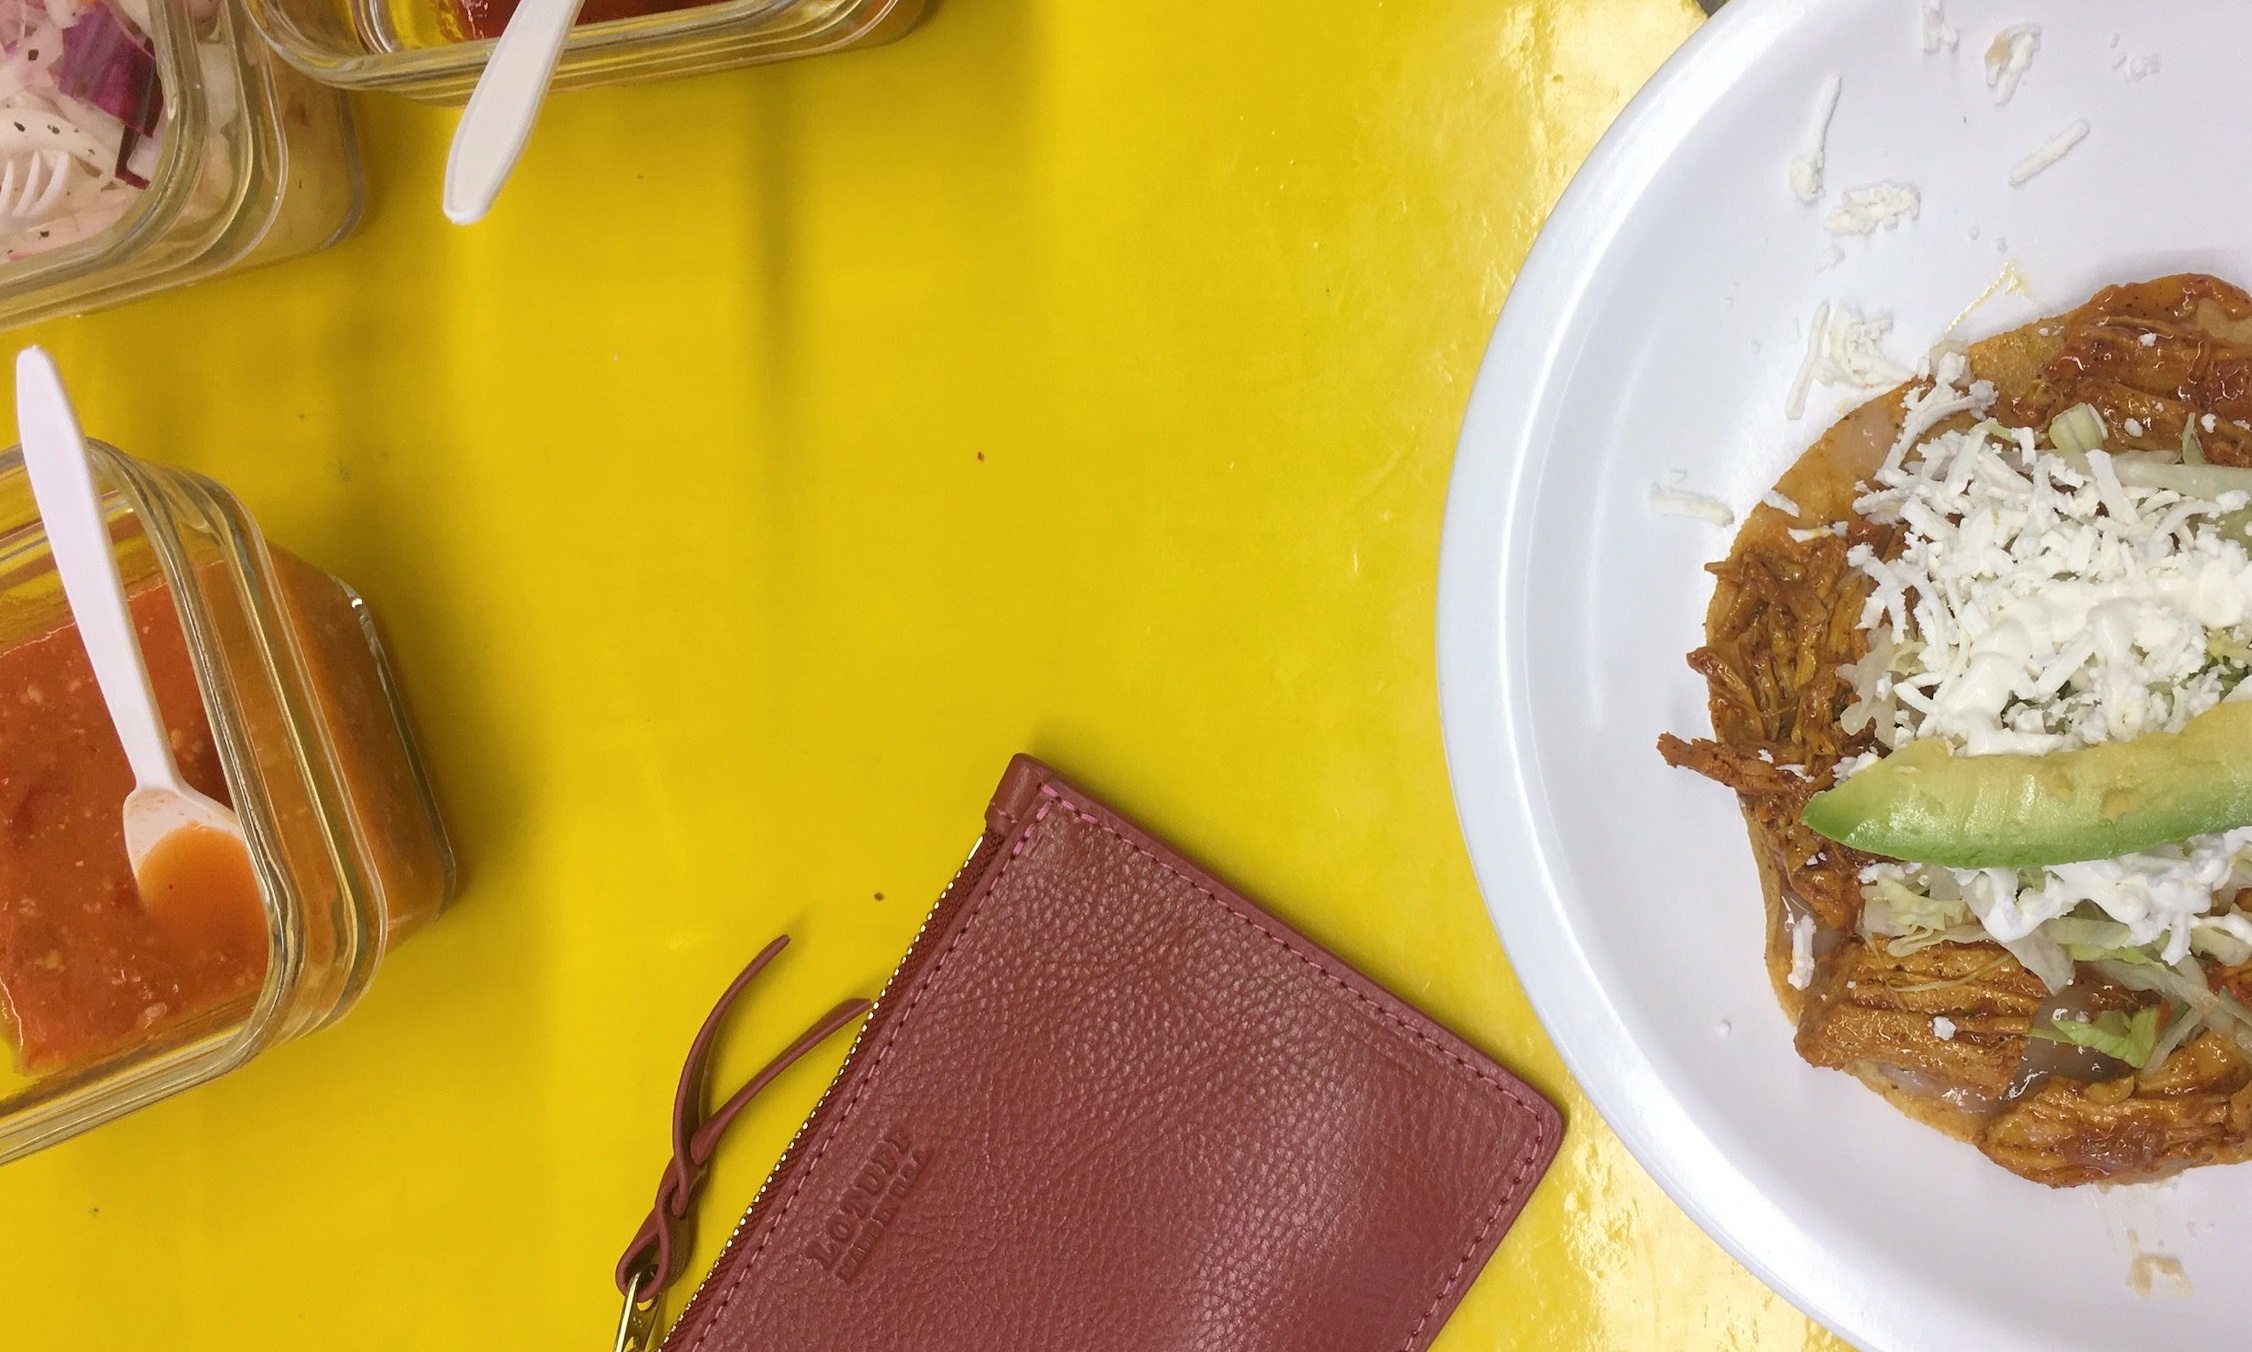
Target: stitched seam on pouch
(1527,1157)
(1512,1191)
(867,1082)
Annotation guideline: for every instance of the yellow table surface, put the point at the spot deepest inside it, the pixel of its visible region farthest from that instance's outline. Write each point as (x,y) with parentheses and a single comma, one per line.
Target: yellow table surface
(790,447)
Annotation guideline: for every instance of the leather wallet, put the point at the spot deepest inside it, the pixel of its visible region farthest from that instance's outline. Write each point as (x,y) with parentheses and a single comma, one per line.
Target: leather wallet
(1107,1103)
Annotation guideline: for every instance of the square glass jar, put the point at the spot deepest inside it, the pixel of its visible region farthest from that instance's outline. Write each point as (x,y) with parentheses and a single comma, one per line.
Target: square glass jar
(435,49)
(301,717)
(250,162)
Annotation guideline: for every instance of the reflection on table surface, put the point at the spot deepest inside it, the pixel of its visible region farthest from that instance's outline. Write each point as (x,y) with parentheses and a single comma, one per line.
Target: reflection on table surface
(1066,378)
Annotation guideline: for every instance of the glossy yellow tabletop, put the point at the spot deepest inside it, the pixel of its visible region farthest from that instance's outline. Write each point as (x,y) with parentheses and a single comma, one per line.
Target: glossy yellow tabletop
(790,447)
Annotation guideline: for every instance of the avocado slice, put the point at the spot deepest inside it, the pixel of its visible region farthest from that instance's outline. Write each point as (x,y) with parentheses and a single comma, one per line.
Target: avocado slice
(1927,805)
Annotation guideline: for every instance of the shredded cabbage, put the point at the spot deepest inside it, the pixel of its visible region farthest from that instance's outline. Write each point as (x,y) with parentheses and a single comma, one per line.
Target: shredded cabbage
(1910,920)
(2215,1009)
(2206,481)
(2227,939)
(2123,1037)
(2091,953)
(2043,957)
(2077,430)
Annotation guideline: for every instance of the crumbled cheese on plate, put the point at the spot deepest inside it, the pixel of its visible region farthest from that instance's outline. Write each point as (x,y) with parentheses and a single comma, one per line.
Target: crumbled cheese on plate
(1843,349)
(2050,151)
(1880,204)
(1671,501)
(2008,57)
(1802,953)
(1804,174)
(1932,27)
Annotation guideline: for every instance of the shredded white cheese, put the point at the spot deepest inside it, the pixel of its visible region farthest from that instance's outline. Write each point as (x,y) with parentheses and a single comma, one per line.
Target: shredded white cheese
(1863,210)
(1695,506)
(1943,1028)
(1779,502)
(1933,28)
(1843,349)
(2037,604)
(2051,150)
(2007,58)
(1804,173)
(1802,953)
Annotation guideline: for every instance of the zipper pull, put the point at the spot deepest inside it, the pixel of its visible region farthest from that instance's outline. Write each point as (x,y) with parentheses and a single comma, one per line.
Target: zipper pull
(638,1327)
(654,1259)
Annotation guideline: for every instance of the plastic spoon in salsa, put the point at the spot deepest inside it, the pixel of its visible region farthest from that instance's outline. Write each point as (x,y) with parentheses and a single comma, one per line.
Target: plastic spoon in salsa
(185,848)
(502,108)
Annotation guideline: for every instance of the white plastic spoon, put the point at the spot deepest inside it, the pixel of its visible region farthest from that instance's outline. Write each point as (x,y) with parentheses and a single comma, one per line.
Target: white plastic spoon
(62,482)
(494,128)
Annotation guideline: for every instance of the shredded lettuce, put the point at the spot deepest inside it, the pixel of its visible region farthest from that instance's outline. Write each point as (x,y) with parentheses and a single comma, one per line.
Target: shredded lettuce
(2193,450)
(2227,938)
(2077,430)
(2207,481)
(2186,1025)
(2123,1037)
(2089,933)
(2188,988)
(2097,940)
(2092,953)
(1909,920)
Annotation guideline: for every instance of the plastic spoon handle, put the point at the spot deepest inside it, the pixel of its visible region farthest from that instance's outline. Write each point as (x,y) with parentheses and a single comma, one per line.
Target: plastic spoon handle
(70,507)
(502,108)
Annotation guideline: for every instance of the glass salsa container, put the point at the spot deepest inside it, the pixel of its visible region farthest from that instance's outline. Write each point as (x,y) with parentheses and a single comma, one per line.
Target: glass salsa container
(435,49)
(279,699)
(146,144)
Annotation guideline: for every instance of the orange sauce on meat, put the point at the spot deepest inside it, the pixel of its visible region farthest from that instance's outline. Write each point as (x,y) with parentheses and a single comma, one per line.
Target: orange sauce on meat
(88,964)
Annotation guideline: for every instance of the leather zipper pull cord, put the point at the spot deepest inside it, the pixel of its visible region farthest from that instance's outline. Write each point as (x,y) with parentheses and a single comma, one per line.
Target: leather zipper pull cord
(654,1259)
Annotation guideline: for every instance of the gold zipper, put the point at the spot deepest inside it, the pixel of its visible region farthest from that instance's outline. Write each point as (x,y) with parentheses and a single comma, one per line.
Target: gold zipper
(638,1324)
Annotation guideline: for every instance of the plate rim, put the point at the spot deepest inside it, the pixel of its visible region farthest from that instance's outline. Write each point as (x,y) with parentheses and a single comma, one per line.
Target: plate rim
(1490,766)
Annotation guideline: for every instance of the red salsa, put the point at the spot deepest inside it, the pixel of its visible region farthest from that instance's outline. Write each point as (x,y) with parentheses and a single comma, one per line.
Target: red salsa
(87,965)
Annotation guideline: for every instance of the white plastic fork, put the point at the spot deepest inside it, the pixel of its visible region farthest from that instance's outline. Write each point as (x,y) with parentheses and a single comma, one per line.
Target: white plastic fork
(26,198)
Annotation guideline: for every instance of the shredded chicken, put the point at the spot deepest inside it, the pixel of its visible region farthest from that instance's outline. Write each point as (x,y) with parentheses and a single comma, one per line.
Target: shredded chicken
(1787,616)
(1871,1008)
(2152,353)
(2196,1110)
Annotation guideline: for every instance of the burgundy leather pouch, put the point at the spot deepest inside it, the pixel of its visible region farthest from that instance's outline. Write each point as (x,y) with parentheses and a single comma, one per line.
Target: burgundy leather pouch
(1107,1103)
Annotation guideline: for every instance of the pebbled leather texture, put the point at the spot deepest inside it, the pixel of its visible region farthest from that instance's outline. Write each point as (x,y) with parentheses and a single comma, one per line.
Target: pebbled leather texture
(1109,1104)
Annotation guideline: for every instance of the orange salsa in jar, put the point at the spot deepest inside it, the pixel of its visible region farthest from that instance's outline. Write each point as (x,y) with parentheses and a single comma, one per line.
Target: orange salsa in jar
(279,701)
(87,965)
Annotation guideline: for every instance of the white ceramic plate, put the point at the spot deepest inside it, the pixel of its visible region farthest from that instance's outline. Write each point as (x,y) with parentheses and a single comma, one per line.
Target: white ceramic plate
(1657,326)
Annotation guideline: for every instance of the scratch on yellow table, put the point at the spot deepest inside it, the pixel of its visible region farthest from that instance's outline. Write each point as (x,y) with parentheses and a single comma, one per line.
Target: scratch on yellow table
(789,447)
